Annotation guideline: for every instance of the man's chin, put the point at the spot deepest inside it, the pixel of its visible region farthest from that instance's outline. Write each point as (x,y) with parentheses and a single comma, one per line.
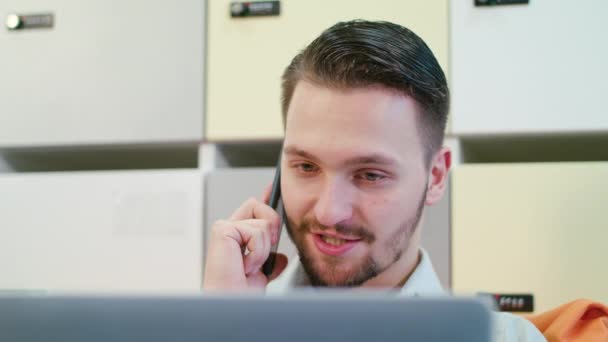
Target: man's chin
(329,275)
(331,271)
(330,280)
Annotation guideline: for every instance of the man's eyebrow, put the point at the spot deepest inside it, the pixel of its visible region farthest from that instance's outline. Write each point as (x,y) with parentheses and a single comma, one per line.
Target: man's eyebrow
(294,151)
(374,158)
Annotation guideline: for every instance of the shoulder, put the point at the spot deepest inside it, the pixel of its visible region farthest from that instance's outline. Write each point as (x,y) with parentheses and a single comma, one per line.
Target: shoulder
(509,327)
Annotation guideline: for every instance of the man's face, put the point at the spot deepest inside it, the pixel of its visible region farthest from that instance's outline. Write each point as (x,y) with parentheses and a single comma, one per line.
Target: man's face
(353,180)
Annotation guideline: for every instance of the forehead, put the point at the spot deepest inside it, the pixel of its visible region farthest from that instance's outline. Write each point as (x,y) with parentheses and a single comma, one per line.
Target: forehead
(345,123)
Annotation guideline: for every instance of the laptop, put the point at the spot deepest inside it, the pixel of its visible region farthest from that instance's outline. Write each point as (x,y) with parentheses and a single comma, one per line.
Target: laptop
(294,318)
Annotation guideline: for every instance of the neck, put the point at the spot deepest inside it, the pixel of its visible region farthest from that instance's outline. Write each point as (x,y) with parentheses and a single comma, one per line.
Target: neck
(396,275)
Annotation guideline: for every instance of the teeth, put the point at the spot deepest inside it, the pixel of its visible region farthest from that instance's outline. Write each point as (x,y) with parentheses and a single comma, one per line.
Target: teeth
(333,241)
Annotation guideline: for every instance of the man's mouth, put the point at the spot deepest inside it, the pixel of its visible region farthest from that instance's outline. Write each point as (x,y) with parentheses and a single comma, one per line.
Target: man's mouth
(334,245)
(332,240)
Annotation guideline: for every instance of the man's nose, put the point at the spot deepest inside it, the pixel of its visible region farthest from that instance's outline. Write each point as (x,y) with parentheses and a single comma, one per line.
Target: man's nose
(334,204)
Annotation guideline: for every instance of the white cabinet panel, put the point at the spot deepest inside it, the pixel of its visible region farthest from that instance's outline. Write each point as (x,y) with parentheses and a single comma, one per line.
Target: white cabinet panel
(529,68)
(227,189)
(247,56)
(531,228)
(107,72)
(101,231)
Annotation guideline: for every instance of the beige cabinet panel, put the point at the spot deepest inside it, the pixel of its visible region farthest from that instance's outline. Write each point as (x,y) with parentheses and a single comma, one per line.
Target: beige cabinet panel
(246,56)
(135,231)
(535,228)
(107,72)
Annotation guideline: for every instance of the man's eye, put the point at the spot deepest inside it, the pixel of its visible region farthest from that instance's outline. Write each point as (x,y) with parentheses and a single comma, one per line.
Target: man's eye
(371,177)
(306,167)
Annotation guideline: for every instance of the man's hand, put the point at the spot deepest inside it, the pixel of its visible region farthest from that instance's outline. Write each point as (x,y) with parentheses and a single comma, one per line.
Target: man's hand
(253,227)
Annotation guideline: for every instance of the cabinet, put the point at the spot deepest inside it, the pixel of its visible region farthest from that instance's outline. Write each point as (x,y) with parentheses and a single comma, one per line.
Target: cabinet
(535,228)
(528,69)
(107,72)
(247,56)
(135,231)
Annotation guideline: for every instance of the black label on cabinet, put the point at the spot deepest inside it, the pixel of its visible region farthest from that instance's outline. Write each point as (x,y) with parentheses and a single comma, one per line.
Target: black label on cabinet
(255,9)
(500,2)
(511,302)
(29,21)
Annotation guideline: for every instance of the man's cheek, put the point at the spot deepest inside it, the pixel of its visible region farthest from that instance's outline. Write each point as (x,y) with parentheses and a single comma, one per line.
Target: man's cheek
(379,211)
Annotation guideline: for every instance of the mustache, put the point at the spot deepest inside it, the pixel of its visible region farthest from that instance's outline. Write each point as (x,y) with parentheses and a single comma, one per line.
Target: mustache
(354,231)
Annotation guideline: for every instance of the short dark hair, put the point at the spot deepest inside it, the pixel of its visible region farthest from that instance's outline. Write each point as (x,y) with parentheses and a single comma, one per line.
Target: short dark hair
(362,53)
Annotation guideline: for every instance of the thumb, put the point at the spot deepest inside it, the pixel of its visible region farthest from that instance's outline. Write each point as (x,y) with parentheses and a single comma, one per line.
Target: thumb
(280,263)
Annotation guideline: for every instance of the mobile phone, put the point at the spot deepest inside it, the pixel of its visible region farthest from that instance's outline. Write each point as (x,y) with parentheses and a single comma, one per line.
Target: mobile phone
(275,203)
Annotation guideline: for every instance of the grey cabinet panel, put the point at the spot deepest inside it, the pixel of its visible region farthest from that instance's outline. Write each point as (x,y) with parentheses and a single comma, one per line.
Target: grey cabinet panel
(227,189)
(107,72)
(436,236)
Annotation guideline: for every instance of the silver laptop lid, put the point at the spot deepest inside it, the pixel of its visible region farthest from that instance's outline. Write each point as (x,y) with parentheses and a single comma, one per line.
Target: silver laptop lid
(295,318)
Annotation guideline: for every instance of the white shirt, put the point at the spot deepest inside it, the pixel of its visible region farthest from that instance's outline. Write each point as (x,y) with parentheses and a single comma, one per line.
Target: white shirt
(422,282)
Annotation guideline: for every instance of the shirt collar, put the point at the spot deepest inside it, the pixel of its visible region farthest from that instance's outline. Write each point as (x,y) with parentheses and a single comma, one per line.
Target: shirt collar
(424,280)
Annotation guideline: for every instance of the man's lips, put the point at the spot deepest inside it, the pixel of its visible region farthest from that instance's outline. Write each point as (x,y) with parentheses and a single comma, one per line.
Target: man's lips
(334,244)
(336,235)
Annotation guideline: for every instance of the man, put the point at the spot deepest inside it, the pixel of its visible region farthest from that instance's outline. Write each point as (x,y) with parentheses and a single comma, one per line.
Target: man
(365,108)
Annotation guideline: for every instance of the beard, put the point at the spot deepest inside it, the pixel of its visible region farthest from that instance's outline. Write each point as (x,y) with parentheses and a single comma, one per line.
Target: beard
(332,272)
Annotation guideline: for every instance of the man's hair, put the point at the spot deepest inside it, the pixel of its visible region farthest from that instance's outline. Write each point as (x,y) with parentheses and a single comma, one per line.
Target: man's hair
(359,53)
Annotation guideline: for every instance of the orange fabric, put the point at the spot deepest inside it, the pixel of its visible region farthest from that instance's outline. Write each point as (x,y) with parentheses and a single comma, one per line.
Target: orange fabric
(577,321)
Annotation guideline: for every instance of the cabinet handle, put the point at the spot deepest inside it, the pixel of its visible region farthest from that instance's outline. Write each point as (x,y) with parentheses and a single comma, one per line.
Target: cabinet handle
(18,22)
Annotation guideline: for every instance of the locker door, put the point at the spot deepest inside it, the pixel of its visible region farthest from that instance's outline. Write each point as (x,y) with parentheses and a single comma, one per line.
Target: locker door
(530,68)
(101,231)
(227,189)
(106,72)
(531,228)
(248,55)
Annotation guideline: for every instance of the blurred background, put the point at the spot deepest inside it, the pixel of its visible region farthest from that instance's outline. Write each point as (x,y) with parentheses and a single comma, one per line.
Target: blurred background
(128,127)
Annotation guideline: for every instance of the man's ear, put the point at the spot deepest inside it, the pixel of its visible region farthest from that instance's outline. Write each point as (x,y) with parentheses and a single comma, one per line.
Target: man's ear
(438,175)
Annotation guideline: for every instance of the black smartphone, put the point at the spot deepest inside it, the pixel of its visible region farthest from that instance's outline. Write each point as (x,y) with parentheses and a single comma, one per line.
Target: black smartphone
(276,204)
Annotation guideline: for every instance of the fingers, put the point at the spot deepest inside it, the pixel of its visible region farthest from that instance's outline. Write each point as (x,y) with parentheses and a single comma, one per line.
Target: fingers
(259,280)
(266,194)
(226,266)
(254,227)
(254,209)
(280,263)
(258,243)
(256,236)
